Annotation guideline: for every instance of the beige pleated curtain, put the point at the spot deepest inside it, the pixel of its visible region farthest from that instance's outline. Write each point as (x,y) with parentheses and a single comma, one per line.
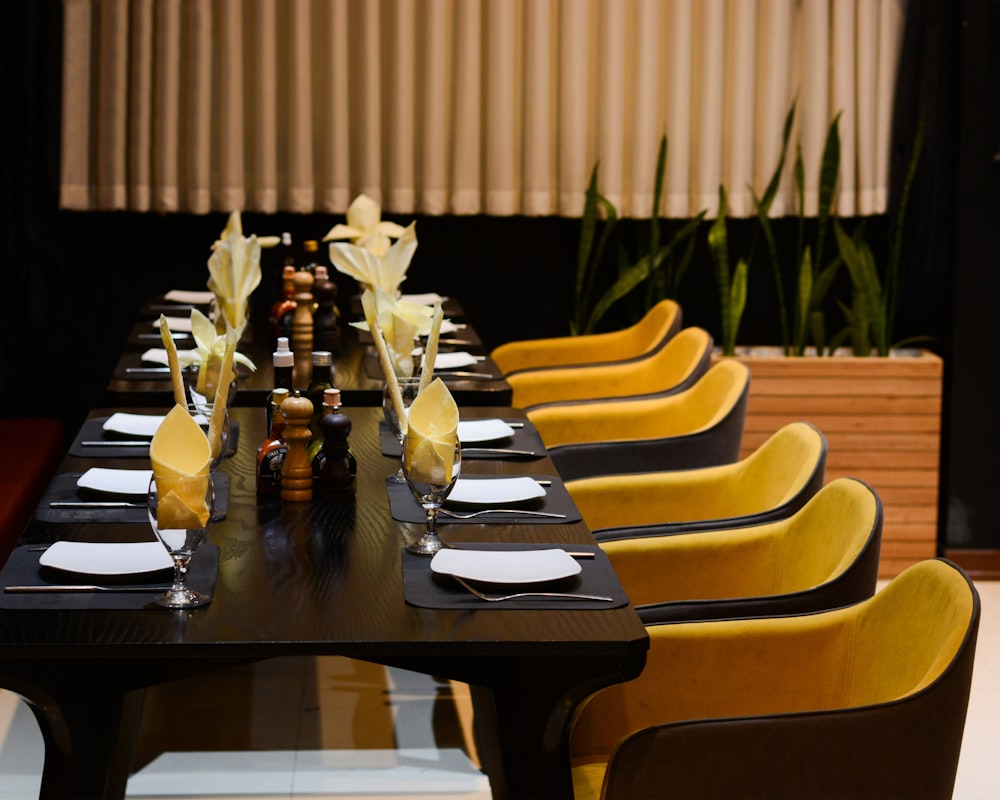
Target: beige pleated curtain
(497,107)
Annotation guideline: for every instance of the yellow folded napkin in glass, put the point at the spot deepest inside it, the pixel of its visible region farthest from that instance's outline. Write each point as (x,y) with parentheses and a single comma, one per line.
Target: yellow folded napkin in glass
(386,271)
(431,435)
(365,227)
(234,272)
(180,456)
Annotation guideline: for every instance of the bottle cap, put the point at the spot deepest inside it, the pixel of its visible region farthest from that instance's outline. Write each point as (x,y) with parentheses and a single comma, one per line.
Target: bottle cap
(322,273)
(331,397)
(322,358)
(283,356)
(278,396)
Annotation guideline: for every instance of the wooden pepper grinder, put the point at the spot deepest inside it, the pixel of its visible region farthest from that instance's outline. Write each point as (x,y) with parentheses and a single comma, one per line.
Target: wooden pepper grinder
(302,319)
(296,469)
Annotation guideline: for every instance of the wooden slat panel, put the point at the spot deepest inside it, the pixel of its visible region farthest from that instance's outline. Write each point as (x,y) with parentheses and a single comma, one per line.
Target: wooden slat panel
(882,420)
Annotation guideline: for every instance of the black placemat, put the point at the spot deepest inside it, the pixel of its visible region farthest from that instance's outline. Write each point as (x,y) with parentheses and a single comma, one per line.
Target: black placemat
(22,569)
(63,488)
(405,508)
(93,431)
(525,438)
(423,588)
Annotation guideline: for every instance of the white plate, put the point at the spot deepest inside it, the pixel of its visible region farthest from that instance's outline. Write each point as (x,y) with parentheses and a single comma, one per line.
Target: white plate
(456,360)
(116,481)
(107,558)
(142,426)
(495,566)
(483,430)
(490,491)
(194,298)
(447,326)
(176,324)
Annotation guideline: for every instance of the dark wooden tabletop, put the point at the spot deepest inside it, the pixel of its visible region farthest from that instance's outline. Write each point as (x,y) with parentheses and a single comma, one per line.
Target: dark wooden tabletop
(357,373)
(316,578)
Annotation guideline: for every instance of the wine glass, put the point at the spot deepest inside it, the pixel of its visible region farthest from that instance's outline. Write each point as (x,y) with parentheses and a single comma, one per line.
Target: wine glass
(431,490)
(202,414)
(408,388)
(187,533)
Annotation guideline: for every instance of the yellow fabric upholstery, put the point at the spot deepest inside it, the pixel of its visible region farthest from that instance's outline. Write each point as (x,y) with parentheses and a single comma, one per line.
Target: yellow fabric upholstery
(805,550)
(631,342)
(695,409)
(873,654)
(768,477)
(660,371)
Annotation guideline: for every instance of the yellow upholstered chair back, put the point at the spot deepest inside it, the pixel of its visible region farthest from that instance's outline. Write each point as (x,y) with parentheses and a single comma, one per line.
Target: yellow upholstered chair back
(655,328)
(863,701)
(679,362)
(771,477)
(822,556)
(695,409)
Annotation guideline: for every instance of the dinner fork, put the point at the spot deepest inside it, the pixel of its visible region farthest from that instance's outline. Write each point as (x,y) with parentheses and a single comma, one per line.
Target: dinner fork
(455,515)
(496,598)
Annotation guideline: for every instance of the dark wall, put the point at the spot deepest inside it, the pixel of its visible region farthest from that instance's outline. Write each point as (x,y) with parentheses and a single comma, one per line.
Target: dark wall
(72,281)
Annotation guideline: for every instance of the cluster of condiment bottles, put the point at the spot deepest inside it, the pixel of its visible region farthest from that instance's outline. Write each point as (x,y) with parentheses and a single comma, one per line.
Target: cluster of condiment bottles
(306,451)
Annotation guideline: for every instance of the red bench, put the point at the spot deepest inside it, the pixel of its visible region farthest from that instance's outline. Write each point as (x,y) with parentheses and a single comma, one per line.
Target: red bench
(32,449)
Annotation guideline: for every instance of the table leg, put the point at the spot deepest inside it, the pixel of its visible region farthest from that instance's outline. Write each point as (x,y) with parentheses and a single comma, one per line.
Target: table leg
(522,731)
(88,743)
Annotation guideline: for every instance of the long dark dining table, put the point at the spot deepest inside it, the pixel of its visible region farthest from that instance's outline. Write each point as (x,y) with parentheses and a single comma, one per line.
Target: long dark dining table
(134,382)
(313,578)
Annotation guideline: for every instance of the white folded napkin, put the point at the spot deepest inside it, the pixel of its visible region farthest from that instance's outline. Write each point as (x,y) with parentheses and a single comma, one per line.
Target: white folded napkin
(489,491)
(483,430)
(142,426)
(176,324)
(194,298)
(456,360)
(116,481)
(425,299)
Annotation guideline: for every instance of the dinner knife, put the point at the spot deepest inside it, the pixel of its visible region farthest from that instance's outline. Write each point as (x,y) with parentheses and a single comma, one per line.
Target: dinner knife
(497,452)
(122,443)
(83,587)
(94,504)
(450,373)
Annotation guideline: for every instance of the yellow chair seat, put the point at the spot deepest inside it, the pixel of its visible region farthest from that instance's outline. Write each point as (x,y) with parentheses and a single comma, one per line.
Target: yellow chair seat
(673,367)
(656,327)
(863,701)
(823,556)
(772,482)
(698,427)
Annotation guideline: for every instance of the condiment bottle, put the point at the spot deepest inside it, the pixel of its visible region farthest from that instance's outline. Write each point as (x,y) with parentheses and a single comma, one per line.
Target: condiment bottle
(339,471)
(326,317)
(322,378)
(271,452)
(283,361)
(280,318)
(296,471)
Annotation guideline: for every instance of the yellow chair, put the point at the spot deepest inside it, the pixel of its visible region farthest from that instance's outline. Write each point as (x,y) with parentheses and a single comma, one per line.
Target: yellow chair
(656,327)
(863,701)
(698,427)
(823,556)
(672,368)
(771,483)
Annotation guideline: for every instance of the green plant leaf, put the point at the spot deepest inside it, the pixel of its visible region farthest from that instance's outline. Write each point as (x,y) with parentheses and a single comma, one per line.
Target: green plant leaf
(802,302)
(718,248)
(828,175)
(626,282)
(737,303)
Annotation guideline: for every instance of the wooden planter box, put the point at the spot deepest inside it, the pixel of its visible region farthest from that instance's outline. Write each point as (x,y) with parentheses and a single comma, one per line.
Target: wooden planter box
(882,419)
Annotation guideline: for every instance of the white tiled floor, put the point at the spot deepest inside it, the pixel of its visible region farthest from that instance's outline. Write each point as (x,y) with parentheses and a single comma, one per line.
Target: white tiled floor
(333,728)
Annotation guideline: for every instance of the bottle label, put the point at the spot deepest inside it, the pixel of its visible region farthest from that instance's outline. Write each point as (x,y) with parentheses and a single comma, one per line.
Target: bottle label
(269,471)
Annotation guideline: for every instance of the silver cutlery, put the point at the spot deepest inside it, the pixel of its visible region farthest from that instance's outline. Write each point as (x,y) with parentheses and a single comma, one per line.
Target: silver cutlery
(498,452)
(158,337)
(496,598)
(516,511)
(151,370)
(83,587)
(450,373)
(94,504)
(122,443)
